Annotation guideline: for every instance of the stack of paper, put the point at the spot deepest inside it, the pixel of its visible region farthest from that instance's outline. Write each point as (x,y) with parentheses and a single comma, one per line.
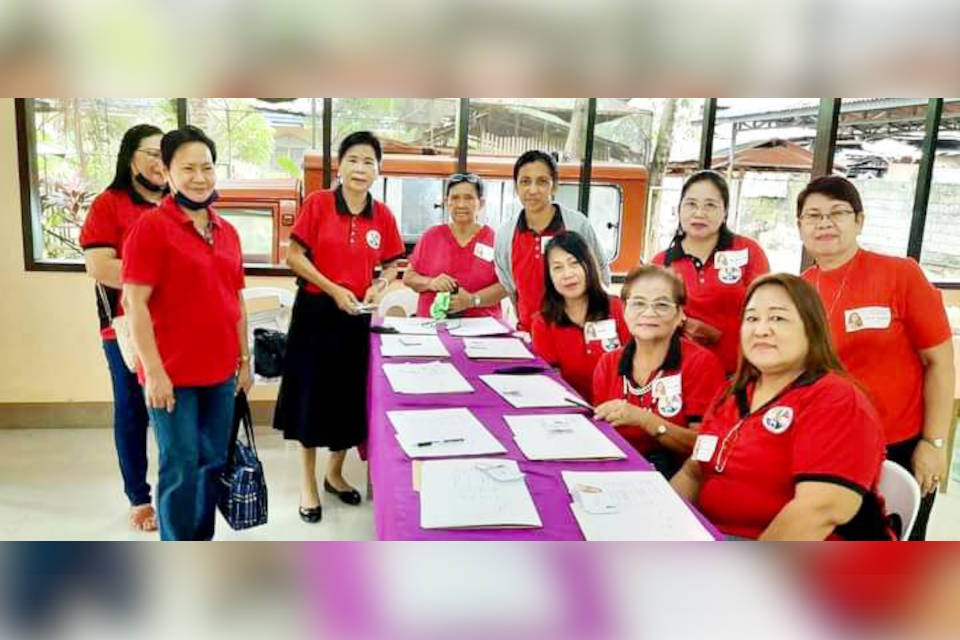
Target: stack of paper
(424,378)
(436,433)
(630,506)
(475,493)
(412,326)
(561,436)
(496,348)
(411,346)
(471,327)
(529,391)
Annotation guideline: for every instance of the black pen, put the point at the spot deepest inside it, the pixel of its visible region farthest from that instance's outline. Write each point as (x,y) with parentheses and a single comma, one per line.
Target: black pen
(520,370)
(579,403)
(428,443)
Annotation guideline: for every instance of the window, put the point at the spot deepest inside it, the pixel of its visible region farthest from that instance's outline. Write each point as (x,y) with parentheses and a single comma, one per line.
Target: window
(940,257)
(417,125)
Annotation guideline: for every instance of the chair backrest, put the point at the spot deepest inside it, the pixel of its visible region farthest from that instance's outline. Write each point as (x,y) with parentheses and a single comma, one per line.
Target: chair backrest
(268,307)
(900,493)
(401,302)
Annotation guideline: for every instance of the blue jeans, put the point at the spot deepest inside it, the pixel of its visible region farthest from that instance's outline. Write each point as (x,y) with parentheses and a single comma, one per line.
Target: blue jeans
(130,422)
(193,442)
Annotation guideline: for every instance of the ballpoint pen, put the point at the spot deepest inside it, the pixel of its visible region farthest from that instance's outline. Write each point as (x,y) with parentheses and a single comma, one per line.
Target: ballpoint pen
(427,443)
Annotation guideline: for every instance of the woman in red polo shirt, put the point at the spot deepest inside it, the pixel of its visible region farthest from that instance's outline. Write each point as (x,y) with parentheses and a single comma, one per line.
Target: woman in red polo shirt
(890,328)
(792,451)
(340,236)
(182,283)
(656,388)
(716,265)
(137,187)
(457,257)
(578,322)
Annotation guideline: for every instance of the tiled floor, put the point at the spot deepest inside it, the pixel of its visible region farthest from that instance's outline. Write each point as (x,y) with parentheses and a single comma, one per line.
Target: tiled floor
(63,484)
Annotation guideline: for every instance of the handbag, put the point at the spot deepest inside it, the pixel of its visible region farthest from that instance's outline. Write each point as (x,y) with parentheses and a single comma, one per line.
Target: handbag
(269,347)
(121,327)
(243,492)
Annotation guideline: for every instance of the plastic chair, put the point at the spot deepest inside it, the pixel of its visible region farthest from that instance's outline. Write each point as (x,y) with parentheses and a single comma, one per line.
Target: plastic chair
(399,302)
(900,493)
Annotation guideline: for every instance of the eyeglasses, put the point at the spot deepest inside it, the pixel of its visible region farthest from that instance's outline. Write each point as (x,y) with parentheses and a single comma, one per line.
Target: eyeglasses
(813,218)
(726,446)
(153,154)
(709,207)
(661,308)
(460,178)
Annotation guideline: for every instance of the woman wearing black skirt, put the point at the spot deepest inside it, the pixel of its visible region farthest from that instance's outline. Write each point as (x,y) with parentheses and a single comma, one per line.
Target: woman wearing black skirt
(340,237)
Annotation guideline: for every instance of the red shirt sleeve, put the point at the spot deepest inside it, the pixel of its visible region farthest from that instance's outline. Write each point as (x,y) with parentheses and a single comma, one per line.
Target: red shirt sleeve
(305,228)
(758,264)
(240,280)
(925,317)
(705,380)
(605,371)
(100,228)
(392,247)
(838,437)
(543,344)
(660,258)
(145,251)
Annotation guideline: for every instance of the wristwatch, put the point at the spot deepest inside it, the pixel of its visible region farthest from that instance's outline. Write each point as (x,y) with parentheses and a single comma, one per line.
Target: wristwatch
(662,429)
(937,443)
(475,301)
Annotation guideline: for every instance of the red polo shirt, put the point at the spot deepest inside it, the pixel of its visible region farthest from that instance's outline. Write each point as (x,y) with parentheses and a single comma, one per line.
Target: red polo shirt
(471,265)
(716,295)
(107,224)
(701,379)
(194,303)
(344,247)
(820,428)
(565,346)
(882,312)
(527,264)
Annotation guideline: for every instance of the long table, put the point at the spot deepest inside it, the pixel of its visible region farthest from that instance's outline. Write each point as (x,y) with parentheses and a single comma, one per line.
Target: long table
(396,504)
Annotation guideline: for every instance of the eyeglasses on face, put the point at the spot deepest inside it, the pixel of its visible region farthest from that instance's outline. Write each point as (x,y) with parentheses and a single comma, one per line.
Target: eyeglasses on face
(660,308)
(814,218)
(709,207)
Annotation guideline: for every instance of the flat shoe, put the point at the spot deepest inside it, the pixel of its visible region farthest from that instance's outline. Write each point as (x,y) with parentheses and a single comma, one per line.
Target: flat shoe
(311,514)
(350,496)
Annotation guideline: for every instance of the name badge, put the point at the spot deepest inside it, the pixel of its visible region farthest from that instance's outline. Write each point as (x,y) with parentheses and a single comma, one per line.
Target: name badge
(778,419)
(483,251)
(730,275)
(602,330)
(704,447)
(866,318)
(670,406)
(731,259)
(667,387)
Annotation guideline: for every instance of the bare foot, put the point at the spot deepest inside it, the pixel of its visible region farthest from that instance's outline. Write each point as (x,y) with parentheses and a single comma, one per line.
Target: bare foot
(143,518)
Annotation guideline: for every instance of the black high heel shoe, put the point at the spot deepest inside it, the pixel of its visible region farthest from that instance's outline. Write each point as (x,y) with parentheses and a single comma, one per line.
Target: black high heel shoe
(311,514)
(350,496)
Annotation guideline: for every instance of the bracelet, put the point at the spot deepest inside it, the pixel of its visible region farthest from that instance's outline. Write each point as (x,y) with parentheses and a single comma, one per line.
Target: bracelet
(244,358)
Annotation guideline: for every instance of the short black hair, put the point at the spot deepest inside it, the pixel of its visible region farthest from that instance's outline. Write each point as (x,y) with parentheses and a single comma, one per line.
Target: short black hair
(834,187)
(173,140)
(122,177)
(536,155)
(358,138)
(553,308)
(717,180)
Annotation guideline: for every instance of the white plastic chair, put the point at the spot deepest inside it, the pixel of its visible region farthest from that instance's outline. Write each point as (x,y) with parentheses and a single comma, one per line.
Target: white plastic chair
(401,302)
(901,494)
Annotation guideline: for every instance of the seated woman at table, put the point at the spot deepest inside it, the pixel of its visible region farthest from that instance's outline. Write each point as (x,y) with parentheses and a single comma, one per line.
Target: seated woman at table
(793,450)
(656,388)
(578,322)
(457,256)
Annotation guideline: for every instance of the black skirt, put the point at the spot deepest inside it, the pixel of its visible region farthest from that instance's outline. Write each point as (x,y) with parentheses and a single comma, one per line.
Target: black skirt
(323,392)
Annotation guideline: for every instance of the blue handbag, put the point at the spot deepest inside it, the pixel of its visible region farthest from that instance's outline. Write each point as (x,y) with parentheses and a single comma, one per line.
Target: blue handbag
(243,491)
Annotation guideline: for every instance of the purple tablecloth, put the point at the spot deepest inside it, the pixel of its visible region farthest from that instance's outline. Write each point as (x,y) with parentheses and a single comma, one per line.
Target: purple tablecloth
(397,505)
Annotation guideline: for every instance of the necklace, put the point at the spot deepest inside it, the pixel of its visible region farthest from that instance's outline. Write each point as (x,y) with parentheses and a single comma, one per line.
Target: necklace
(836,297)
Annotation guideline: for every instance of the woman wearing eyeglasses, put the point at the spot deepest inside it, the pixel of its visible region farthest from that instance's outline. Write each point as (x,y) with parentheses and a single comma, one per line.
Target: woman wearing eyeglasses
(578,322)
(457,257)
(890,329)
(716,265)
(792,451)
(656,388)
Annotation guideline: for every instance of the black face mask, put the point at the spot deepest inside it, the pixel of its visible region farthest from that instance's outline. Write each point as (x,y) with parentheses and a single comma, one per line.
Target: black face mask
(193,205)
(149,186)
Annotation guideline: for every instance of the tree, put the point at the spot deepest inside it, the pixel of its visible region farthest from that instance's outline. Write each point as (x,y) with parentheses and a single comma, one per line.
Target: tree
(576,136)
(658,166)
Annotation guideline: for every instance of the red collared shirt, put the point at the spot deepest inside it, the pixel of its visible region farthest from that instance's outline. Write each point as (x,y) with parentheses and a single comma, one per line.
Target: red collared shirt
(345,247)
(107,224)
(701,378)
(565,346)
(527,264)
(194,303)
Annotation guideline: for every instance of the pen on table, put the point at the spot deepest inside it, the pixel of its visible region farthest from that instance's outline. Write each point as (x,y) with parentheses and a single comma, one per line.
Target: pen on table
(578,403)
(427,443)
(520,370)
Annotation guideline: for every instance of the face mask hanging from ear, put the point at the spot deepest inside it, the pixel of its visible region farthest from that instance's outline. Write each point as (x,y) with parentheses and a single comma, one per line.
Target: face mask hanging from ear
(194,205)
(149,186)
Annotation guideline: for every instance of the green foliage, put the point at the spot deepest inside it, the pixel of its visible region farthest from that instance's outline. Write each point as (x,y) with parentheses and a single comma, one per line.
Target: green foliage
(288,166)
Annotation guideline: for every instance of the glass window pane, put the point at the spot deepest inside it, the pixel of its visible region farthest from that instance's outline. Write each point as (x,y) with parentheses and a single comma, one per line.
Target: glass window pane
(413,125)
(940,257)
(255,227)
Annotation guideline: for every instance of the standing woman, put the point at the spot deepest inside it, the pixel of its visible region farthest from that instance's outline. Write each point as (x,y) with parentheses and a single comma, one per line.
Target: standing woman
(182,284)
(656,389)
(578,322)
(137,187)
(340,236)
(716,265)
(457,257)
(891,332)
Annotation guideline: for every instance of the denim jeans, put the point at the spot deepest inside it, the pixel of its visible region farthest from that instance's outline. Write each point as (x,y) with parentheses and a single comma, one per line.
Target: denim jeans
(193,442)
(130,422)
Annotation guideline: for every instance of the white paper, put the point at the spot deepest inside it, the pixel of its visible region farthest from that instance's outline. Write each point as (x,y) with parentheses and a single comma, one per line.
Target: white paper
(472,327)
(529,391)
(496,348)
(561,436)
(412,326)
(457,494)
(411,346)
(426,433)
(647,508)
(426,378)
